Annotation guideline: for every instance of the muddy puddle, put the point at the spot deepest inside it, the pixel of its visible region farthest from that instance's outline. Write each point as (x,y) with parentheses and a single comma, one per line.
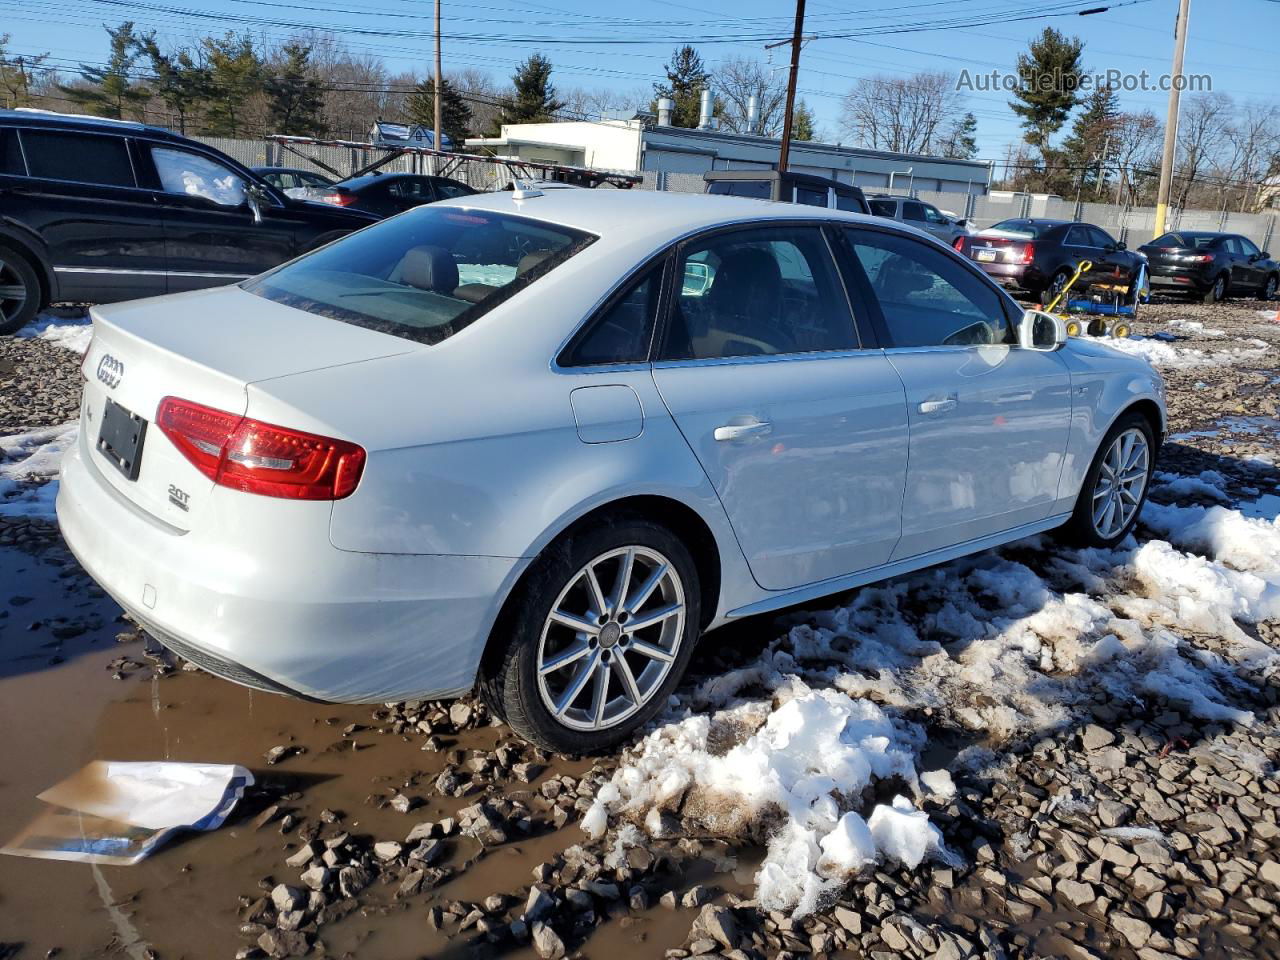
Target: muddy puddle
(71,693)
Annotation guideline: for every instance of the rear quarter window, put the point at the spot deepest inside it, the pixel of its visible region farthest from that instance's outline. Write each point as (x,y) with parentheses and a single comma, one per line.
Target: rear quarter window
(100,159)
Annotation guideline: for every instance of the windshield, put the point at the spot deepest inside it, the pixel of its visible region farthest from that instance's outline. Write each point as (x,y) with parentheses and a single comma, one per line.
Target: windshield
(425,275)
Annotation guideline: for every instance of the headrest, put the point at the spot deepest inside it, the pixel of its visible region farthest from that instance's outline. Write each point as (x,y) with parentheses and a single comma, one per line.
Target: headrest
(531,260)
(429,268)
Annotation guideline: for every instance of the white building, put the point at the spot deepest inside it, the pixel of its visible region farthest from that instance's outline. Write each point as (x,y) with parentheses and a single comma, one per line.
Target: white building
(637,145)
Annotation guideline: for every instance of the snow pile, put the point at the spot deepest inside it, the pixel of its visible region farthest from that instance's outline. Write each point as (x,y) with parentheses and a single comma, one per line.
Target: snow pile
(28,462)
(1170,357)
(1008,645)
(74,333)
(1194,328)
(798,776)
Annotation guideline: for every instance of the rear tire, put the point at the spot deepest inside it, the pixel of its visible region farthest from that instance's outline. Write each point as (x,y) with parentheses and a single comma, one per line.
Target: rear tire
(1218,290)
(1116,486)
(20,292)
(611,681)
(1057,284)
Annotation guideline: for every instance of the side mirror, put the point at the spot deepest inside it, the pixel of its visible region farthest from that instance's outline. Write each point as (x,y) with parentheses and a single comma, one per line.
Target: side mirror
(1119,246)
(1111,248)
(1042,331)
(1262,256)
(253,197)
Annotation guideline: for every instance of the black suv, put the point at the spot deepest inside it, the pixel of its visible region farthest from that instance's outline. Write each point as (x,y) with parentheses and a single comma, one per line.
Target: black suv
(101,210)
(791,187)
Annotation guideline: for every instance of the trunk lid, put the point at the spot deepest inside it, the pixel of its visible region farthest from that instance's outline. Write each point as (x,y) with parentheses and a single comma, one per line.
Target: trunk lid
(206,346)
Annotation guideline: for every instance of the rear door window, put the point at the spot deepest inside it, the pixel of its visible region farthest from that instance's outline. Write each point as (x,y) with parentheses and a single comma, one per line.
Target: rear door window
(447,189)
(99,159)
(755,189)
(413,189)
(423,277)
(884,208)
(758,292)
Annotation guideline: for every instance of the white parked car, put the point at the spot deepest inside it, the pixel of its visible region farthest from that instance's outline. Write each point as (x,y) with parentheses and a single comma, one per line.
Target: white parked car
(542,442)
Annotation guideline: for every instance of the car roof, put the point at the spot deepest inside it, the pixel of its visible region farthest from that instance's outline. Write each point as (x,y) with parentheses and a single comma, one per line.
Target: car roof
(29,116)
(654,216)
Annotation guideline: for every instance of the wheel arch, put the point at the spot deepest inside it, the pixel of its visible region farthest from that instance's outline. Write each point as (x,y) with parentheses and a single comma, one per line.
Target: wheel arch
(674,514)
(1150,411)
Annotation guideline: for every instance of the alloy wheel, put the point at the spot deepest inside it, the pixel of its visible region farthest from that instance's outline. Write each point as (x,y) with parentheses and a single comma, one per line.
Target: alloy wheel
(13,292)
(611,638)
(1219,288)
(1269,292)
(1122,479)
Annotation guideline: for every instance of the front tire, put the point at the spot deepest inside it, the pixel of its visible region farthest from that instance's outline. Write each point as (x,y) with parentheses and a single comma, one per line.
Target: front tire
(1268,291)
(20,293)
(1116,486)
(600,633)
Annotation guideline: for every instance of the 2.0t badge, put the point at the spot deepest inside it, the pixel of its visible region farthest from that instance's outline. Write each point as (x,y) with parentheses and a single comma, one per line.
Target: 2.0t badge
(110,370)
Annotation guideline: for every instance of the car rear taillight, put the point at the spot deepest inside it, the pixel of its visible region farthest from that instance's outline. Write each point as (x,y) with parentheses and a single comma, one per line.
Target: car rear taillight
(958,244)
(1197,258)
(339,199)
(1028,253)
(255,457)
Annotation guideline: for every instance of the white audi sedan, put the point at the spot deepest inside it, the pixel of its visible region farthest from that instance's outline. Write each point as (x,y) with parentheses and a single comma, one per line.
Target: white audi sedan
(541,442)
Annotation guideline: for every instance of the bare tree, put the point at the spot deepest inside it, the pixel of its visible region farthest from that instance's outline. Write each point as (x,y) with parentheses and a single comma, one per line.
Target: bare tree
(1254,138)
(736,81)
(1136,142)
(1202,132)
(483,97)
(903,114)
(594,104)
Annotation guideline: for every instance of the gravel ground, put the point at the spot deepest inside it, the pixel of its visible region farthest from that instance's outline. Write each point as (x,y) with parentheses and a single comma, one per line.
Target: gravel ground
(1132,829)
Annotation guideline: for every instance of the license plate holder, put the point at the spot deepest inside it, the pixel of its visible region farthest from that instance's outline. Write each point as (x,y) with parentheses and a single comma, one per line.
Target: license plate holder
(120,438)
(986,256)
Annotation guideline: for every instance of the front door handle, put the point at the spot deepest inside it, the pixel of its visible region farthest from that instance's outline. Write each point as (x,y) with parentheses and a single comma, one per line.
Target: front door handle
(938,406)
(742,431)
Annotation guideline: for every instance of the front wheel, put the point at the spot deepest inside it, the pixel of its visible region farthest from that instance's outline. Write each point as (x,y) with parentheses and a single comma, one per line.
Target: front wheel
(599,636)
(1268,291)
(1115,487)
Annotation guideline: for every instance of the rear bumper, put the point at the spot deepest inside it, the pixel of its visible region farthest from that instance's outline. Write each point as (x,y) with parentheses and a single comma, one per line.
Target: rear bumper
(1007,274)
(284,611)
(1188,278)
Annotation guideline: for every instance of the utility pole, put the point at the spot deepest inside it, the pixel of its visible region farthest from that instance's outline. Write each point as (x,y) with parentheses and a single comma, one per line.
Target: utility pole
(796,40)
(437,141)
(1171,122)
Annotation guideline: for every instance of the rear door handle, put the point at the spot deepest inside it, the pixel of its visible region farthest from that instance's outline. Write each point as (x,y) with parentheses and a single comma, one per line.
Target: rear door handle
(938,406)
(742,431)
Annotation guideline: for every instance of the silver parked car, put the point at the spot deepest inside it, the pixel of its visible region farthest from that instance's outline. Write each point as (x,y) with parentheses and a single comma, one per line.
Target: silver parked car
(918,214)
(543,441)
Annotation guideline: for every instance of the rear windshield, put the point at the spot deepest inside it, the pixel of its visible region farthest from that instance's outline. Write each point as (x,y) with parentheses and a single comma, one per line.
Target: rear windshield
(425,275)
(756,189)
(1196,240)
(1027,228)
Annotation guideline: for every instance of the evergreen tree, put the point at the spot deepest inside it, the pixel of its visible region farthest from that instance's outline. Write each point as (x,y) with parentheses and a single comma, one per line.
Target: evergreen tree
(1048,89)
(534,99)
(235,75)
(180,82)
(455,115)
(1093,140)
(687,76)
(960,141)
(110,91)
(294,97)
(802,127)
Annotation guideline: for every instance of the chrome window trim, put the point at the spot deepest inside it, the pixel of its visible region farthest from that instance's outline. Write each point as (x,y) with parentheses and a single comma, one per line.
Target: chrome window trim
(764,358)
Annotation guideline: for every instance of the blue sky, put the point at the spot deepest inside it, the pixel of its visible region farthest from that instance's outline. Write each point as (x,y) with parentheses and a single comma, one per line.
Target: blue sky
(1227,40)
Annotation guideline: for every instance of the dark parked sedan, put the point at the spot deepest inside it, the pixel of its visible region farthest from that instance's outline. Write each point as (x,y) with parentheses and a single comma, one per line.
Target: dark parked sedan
(386,194)
(1040,256)
(1211,265)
